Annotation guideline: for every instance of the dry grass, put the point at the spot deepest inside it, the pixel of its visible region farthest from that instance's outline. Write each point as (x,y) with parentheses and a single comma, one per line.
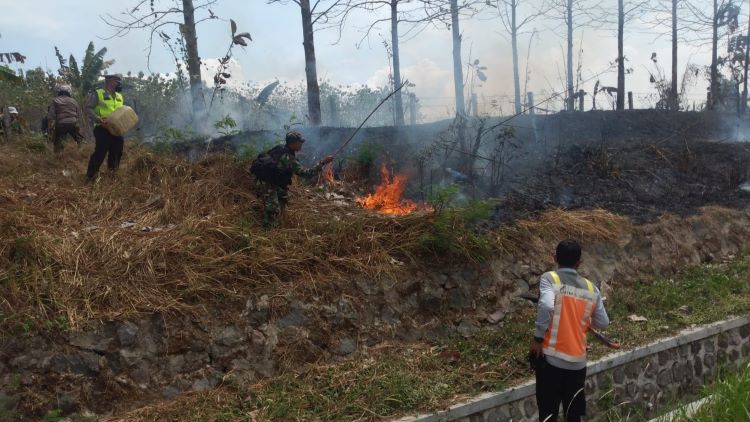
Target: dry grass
(552,225)
(391,380)
(167,235)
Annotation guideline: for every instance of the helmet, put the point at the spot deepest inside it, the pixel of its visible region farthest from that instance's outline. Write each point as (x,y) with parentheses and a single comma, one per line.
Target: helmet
(12,110)
(294,136)
(64,88)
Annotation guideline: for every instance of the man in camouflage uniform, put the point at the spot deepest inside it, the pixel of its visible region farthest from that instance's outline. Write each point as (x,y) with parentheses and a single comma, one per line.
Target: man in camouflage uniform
(275,195)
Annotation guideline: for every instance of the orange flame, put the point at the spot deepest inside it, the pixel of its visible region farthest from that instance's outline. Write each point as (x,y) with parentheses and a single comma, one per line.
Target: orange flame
(387,196)
(328,174)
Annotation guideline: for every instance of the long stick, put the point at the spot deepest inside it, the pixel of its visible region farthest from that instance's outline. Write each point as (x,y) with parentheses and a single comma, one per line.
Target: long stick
(370,115)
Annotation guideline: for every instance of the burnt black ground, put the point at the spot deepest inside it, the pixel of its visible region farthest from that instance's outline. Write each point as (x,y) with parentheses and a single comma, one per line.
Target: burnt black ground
(639,178)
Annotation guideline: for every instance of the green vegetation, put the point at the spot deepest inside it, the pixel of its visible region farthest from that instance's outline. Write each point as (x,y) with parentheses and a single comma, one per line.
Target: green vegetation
(226,126)
(391,380)
(367,152)
(454,228)
(698,296)
(728,399)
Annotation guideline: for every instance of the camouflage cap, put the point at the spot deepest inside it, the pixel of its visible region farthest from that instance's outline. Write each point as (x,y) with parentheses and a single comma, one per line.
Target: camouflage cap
(294,136)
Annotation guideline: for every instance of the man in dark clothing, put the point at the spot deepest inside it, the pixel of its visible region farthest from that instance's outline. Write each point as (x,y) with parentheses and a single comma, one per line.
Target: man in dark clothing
(63,114)
(274,192)
(100,104)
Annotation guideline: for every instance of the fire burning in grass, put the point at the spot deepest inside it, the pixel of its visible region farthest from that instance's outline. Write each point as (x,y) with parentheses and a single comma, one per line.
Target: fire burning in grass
(328,174)
(387,196)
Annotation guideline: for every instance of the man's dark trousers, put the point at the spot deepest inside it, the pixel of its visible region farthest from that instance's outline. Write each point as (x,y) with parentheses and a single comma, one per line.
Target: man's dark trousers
(64,129)
(106,145)
(555,385)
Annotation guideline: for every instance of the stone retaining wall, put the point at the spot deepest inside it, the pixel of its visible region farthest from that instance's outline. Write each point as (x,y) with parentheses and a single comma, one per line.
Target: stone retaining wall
(639,382)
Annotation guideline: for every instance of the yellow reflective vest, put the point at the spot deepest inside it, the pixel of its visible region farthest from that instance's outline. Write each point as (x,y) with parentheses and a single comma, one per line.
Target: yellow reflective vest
(107,104)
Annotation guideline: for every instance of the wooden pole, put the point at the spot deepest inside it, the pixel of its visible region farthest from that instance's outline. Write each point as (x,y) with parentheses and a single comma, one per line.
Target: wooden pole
(580,100)
(630,100)
(530,105)
(333,111)
(412,109)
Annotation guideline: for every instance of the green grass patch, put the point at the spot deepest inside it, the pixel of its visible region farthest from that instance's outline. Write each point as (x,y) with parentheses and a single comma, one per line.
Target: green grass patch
(727,399)
(698,295)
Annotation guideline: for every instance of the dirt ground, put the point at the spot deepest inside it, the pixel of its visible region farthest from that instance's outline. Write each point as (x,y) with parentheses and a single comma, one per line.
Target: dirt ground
(638,178)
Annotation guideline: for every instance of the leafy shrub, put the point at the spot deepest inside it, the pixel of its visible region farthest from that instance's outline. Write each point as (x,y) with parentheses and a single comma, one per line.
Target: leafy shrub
(454,230)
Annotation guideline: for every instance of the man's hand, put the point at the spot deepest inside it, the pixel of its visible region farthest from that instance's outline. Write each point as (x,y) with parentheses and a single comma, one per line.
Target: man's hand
(326,160)
(101,120)
(535,348)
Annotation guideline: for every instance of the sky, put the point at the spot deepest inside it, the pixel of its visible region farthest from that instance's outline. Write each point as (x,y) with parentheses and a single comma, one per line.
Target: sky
(35,27)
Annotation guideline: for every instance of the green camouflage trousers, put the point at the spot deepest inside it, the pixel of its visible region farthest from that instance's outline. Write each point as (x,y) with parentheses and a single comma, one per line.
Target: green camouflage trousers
(274,199)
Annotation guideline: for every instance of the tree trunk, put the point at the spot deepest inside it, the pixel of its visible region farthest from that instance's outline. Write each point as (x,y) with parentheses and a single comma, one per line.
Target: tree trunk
(570,99)
(193,63)
(311,71)
(458,74)
(714,59)
(620,55)
(514,45)
(674,102)
(743,106)
(399,105)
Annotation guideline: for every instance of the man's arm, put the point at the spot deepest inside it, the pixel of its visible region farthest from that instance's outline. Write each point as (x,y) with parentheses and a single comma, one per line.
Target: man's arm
(51,113)
(91,103)
(293,165)
(546,306)
(544,314)
(599,318)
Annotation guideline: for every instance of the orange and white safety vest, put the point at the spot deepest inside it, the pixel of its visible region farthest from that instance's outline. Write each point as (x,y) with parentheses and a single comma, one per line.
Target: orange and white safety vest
(566,336)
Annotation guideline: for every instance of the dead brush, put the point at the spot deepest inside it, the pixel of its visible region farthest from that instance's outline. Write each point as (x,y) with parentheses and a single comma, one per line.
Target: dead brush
(546,228)
(172,236)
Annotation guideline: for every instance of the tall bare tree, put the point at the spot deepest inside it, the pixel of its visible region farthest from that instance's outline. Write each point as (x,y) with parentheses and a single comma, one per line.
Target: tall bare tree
(747,62)
(509,11)
(317,11)
(674,100)
(458,76)
(679,31)
(627,11)
(450,12)
(416,14)
(721,18)
(574,14)
(154,16)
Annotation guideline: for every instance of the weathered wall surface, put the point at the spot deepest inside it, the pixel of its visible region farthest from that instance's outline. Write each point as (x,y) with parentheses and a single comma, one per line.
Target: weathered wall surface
(161,356)
(638,382)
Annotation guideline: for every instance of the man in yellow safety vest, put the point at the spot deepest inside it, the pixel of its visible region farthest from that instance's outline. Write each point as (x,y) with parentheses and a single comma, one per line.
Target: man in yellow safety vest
(568,305)
(100,104)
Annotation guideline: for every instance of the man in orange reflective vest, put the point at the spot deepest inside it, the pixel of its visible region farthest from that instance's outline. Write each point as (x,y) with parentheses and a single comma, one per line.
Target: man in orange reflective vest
(568,305)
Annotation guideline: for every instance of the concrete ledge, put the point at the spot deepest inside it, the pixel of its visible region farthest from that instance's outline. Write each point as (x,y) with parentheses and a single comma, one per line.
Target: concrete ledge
(685,336)
(489,401)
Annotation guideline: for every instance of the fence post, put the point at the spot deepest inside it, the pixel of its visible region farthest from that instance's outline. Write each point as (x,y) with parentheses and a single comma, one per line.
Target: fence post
(530,105)
(630,100)
(580,99)
(412,109)
(333,111)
